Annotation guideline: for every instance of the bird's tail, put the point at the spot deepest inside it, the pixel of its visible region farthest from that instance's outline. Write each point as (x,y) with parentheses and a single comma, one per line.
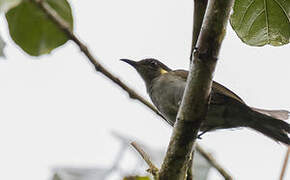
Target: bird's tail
(271,127)
(278,114)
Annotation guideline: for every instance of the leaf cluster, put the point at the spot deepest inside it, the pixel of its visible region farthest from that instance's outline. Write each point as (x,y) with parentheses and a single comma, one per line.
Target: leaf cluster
(256,22)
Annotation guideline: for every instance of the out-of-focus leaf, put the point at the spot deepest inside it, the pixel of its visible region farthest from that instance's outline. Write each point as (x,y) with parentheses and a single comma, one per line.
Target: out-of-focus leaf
(81,173)
(2,45)
(136,178)
(5,5)
(118,169)
(56,177)
(261,22)
(33,31)
(200,167)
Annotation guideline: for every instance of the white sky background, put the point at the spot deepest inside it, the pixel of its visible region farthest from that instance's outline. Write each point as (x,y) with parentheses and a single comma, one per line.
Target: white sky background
(55,110)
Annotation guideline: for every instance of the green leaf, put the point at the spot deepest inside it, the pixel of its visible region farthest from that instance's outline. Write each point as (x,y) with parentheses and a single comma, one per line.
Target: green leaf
(261,22)
(33,31)
(56,177)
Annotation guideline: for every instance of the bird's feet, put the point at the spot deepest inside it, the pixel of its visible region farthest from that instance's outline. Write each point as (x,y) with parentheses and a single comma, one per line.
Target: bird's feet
(202,133)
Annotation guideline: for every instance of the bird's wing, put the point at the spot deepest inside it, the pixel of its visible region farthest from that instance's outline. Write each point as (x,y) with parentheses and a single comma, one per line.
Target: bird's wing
(218,88)
(218,93)
(181,73)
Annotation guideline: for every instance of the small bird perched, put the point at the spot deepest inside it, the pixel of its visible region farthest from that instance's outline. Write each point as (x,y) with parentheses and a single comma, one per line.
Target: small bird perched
(226,110)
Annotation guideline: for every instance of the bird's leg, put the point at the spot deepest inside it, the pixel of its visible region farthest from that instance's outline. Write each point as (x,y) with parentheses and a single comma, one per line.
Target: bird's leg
(202,133)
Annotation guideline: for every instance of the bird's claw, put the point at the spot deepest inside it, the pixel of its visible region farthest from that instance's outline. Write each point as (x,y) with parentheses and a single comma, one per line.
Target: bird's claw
(200,134)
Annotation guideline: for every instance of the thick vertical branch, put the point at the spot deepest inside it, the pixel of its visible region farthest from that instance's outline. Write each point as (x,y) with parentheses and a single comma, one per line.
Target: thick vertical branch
(194,104)
(198,16)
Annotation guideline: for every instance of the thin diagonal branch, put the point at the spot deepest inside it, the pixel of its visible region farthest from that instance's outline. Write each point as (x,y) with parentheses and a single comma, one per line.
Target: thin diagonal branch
(65,28)
(198,16)
(285,164)
(213,162)
(152,168)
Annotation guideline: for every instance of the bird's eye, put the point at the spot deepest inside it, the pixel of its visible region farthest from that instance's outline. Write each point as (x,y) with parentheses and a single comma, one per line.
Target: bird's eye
(154,63)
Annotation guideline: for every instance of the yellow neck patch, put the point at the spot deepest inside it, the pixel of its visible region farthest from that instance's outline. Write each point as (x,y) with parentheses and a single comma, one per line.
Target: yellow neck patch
(162,71)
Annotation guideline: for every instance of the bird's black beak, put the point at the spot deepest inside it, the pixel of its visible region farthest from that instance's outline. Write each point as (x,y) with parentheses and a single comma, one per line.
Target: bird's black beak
(132,63)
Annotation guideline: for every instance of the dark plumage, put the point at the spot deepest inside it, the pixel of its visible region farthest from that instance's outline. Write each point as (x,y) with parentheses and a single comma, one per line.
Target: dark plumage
(226,110)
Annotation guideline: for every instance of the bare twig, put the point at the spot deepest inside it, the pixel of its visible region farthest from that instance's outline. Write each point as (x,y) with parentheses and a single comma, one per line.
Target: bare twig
(195,100)
(152,168)
(65,28)
(198,16)
(285,164)
(213,162)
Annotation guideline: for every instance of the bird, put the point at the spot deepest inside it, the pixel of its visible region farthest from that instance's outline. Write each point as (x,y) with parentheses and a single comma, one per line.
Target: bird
(226,110)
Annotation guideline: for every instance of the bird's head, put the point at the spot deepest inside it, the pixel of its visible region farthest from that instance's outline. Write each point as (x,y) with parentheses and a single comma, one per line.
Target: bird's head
(148,68)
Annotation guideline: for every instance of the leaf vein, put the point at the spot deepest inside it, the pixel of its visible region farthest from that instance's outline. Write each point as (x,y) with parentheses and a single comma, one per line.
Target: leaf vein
(267,20)
(258,14)
(244,14)
(287,15)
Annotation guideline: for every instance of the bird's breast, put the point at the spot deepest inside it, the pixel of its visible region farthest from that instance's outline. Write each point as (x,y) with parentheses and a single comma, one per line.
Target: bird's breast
(166,93)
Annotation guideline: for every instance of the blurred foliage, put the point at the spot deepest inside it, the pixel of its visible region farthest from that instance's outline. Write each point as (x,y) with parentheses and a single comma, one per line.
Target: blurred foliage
(33,31)
(56,177)
(261,22)
(136,178)
(201,166)
(122,170)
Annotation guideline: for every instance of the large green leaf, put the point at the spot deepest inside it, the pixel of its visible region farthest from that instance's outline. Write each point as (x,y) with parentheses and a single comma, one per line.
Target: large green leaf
(33,31)
(260,22)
